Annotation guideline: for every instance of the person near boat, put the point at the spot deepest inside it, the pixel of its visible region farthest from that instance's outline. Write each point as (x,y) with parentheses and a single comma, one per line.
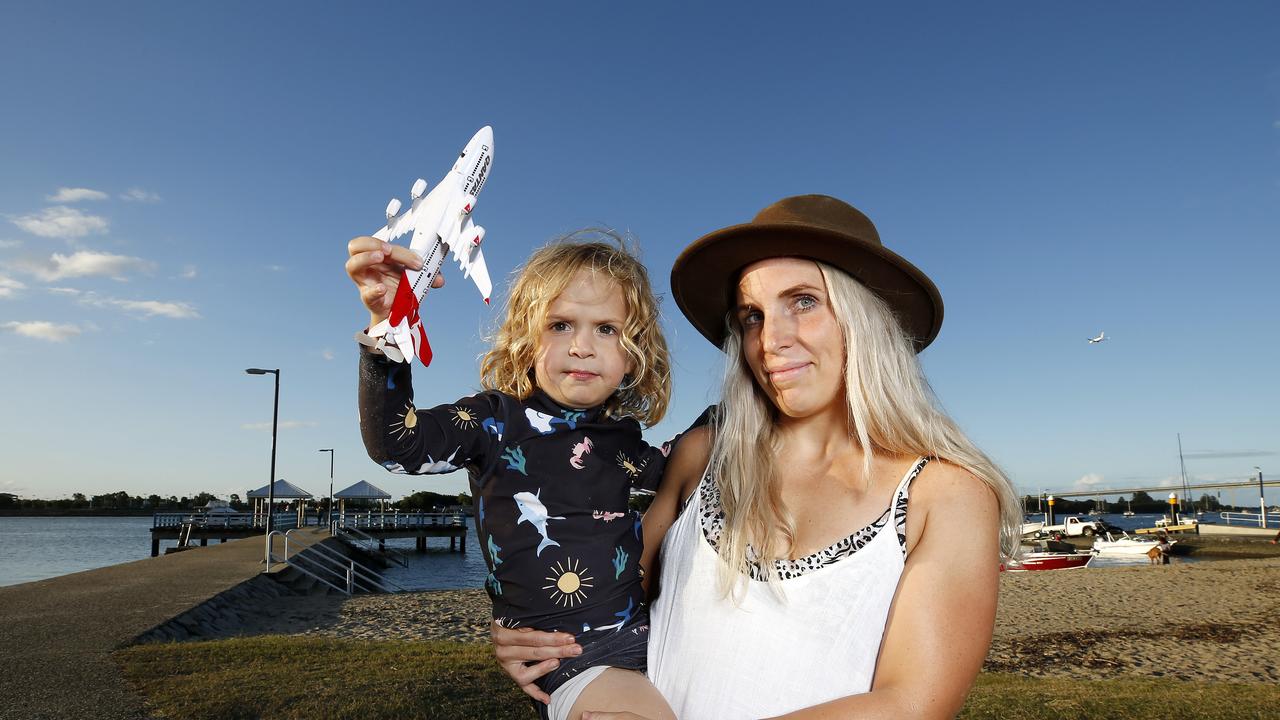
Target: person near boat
(828,490)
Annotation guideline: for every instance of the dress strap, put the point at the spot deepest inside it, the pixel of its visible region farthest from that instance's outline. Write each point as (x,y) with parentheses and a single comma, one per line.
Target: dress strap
(900,501)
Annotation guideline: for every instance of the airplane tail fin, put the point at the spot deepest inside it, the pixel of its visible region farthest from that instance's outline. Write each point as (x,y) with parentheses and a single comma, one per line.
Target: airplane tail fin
(406,324)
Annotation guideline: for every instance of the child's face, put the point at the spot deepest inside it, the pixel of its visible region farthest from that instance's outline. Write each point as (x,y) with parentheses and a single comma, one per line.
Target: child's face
(580,360)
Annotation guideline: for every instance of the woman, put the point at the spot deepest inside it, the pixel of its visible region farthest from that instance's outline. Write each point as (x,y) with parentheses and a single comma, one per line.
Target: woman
(880,524)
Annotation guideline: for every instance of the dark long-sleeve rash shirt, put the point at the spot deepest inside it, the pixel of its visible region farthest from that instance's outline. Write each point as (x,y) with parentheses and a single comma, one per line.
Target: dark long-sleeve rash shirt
(550,486)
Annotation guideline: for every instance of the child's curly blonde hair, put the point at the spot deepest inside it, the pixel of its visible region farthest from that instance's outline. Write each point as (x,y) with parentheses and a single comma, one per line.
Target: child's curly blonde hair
(508,366)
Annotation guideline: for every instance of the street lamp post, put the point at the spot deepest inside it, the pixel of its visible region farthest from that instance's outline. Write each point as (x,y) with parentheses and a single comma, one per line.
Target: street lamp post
(1262,500)
(328,515)
(271,480)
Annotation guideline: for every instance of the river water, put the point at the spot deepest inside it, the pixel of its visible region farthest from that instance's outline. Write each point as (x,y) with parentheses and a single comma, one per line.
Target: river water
(36,548)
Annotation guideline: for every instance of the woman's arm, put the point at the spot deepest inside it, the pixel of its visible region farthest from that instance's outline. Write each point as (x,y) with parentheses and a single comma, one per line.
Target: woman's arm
(939,628)
(683,471)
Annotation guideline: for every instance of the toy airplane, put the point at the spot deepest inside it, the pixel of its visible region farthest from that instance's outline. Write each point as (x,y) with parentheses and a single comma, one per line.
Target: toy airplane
(1101,336)
(441,222)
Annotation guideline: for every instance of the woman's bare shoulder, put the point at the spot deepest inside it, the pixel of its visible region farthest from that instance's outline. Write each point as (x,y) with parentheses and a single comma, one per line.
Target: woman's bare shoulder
(952,488)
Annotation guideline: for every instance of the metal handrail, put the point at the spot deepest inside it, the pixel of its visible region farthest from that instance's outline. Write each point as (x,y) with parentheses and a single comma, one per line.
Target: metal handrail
(349,572)
(1251,518)
(355,572)
(367,542)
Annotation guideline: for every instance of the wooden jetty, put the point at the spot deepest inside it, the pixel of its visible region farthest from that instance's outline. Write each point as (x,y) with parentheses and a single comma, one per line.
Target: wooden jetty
(189,528)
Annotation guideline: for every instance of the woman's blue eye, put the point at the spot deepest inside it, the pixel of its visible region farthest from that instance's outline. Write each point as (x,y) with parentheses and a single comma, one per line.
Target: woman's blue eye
(805,302)
(608,330)
(752,317)
(559,326)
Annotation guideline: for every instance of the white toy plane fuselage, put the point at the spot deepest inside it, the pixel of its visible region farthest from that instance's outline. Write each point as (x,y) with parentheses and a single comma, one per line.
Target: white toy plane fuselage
(1101,336)
(441,222)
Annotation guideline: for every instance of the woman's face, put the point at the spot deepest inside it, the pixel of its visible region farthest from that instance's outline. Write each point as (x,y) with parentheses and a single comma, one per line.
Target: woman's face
(790,337)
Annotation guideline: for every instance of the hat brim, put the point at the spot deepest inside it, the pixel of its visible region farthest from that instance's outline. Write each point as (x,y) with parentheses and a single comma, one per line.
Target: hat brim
(704,278)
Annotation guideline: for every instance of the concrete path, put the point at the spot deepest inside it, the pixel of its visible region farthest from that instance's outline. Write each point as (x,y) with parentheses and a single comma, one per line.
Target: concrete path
(56,635)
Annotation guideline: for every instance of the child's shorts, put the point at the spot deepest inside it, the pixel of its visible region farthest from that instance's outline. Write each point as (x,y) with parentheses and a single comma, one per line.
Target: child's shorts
(626,648)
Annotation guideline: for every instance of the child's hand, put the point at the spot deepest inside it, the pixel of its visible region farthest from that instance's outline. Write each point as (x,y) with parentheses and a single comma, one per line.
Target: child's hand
(375,267)
(514,648)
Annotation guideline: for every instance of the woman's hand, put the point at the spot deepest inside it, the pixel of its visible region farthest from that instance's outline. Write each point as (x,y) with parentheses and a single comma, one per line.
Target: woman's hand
(375,267)
(515,648)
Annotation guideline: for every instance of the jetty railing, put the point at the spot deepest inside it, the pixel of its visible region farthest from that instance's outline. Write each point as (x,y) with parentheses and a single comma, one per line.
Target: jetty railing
(222,520)
(1271,519)
(330,567)
(398,520)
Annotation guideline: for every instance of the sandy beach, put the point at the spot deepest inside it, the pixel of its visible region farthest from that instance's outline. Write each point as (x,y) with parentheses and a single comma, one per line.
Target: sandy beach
(1214,620)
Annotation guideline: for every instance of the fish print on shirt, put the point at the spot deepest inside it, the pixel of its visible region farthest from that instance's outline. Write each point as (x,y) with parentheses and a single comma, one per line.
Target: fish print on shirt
(580,449)
(543,422)
(492,427)
(605,515)
(624,617)
(534,512)
(432,466)
(492,582)
(571,418)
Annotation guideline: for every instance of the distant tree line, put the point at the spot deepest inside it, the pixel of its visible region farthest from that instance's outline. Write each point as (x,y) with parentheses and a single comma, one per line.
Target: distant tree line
(1142,503)
(432,502)
(116,503)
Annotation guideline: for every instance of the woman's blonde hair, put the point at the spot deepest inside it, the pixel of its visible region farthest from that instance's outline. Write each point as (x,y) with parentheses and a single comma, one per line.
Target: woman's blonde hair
(891,410)
(508,365)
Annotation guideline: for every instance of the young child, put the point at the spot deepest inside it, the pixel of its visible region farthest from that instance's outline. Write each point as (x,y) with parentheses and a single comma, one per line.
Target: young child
(553,450)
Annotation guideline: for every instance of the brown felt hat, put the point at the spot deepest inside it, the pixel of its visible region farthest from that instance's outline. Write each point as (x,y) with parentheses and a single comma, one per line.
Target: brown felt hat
(704,278)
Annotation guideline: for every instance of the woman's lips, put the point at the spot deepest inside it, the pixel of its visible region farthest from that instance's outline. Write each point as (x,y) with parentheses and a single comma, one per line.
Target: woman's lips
(581,375)
(786,372)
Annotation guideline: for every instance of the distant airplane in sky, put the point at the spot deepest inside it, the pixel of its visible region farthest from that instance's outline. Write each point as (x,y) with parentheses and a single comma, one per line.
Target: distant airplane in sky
(1101,336)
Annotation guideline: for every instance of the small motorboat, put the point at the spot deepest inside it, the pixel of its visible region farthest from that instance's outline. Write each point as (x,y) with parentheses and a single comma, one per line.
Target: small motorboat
(1030,528)
(1125,545)
(1047,561)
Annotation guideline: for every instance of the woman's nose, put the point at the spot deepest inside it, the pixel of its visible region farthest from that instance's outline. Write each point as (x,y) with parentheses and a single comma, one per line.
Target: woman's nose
(778,332)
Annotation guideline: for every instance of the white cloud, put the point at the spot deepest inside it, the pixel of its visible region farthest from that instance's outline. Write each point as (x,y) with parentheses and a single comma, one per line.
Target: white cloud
(1089,481)
(86,263)
(284,425)
(139,195)
(149,308)
(61,221)
(188,272)
(276,268)
(327,354)
(9,287)
(43,330)
(10,243)
(70,195)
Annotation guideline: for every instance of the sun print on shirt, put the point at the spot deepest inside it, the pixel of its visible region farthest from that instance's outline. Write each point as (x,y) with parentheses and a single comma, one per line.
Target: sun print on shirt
(406,424)
(568,582)
(464,418)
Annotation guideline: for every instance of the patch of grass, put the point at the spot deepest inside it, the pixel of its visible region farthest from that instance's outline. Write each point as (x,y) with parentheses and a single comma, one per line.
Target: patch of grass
(1016,697)
(297,677)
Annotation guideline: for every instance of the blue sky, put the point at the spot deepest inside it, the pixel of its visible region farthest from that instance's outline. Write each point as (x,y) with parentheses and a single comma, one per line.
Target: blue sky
(178,183)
